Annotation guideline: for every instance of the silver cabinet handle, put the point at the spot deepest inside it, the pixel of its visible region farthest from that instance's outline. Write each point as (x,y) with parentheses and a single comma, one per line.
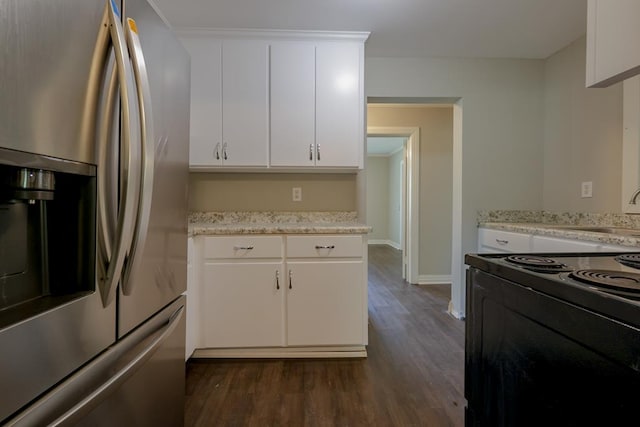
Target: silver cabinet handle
(224,151)
(278,279)
(318,151)
(325,246)
(502,242)
(290,279)
(310,151)
(217,151)
(242,248)
(147,145)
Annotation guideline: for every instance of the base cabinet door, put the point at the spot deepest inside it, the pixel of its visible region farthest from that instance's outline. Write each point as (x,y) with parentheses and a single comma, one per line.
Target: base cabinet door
(243,305)
(324,303)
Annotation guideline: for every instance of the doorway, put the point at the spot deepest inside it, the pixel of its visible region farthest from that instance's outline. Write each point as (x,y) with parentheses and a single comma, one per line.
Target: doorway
(433,173)
(393,153)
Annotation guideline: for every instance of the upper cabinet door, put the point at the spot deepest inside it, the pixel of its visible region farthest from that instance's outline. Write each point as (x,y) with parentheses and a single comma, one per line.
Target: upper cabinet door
(339,104)
(206,101)
(613,33)
(245,102)
(293,103)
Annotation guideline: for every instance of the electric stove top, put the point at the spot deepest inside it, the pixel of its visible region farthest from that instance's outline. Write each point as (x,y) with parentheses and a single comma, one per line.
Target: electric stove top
(606,283)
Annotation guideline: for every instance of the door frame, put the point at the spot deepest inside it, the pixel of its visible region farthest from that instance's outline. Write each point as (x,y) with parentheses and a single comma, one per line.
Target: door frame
(410,244)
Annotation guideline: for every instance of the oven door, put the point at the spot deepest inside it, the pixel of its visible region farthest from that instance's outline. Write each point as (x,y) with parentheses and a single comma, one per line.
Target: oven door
(532,359)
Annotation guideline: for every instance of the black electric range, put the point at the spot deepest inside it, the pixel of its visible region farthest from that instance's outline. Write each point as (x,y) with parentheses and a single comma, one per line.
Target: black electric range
(552,339)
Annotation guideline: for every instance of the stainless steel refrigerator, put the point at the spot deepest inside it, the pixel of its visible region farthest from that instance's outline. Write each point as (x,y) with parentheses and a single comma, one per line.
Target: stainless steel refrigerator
(94,131)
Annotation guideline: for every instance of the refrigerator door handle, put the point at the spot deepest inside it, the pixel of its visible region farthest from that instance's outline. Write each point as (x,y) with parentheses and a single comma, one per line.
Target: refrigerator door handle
(148,155)
(49,405)
(107,209)
(129,189)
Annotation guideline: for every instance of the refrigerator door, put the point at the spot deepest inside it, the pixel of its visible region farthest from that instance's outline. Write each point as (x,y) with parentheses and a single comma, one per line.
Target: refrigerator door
(160,260)
(45,69)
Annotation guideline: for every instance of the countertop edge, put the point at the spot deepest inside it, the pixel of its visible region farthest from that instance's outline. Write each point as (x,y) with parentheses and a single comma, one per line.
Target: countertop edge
(235,229)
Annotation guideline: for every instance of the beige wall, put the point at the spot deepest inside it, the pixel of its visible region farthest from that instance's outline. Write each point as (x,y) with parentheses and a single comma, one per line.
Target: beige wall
(271,192)
(436,173)
(395,197)
(378,197)
(582,136)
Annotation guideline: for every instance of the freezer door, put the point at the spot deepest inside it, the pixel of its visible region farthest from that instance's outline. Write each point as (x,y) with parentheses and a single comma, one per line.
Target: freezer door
(161,269)
(139,382)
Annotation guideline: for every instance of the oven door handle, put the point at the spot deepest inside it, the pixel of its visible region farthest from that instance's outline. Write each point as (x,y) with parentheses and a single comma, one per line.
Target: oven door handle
(74,389)
(147,145)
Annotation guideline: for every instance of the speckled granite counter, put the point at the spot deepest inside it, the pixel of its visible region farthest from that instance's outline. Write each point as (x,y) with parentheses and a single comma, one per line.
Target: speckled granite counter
(224,223)
(547,224)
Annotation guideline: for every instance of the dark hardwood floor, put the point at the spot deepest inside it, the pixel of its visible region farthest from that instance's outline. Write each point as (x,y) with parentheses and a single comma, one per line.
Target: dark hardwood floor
(413,375)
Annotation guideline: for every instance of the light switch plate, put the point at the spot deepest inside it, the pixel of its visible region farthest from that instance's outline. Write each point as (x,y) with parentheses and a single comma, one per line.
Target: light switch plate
(587,189)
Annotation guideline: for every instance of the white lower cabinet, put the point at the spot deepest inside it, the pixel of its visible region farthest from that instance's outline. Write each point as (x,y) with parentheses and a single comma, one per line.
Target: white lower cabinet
(243,305)
(500,241)
(552,244)
(324,303)
(307,293)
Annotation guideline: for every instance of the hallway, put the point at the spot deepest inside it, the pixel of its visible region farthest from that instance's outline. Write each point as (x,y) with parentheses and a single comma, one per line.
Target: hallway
(412,377)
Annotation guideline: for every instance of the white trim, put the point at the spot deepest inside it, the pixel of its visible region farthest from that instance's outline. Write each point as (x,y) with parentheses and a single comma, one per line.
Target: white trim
(434,279)
(282,352)
(457,251)
(248,33)
(455,313)
(630,142)
(413,167)
(387,242)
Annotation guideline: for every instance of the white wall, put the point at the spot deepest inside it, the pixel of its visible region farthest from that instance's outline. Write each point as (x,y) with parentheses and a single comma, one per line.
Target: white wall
(582,138)
(502,158)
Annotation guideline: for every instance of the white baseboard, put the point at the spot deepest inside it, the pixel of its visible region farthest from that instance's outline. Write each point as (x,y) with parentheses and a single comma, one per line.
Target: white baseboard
(434,279)
(394,245)
(359,351)
(455,313)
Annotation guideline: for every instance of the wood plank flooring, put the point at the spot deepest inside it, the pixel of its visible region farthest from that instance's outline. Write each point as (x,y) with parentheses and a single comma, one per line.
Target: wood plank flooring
(412,377)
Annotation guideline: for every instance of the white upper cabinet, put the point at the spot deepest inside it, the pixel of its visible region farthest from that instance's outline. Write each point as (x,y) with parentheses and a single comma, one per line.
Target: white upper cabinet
(293,91)
(206,101)
(245,102)
(276,100)
(613,33)
(339,104)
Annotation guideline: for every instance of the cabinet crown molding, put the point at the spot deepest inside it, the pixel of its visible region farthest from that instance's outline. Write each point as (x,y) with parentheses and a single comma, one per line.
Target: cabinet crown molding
(240,33)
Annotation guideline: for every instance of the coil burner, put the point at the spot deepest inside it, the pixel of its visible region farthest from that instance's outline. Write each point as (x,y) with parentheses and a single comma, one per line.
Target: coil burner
(538,264)
(630,260)
(620,283)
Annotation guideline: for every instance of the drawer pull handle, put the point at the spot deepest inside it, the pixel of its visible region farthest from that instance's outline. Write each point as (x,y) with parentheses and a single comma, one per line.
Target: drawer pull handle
(325,246)
(277,280)
(290,276)
(243,248)
(502,242)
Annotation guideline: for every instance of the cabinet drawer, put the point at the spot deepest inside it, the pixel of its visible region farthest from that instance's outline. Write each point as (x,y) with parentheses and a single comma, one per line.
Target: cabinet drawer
(324,246)
(243,247)
(503,241)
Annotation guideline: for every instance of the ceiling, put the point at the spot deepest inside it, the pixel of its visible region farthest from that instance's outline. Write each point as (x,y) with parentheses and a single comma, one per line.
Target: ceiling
(405,28)
(384,146)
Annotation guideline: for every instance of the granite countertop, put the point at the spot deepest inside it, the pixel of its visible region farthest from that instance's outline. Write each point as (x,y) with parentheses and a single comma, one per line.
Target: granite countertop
(543,223)
(225,223)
